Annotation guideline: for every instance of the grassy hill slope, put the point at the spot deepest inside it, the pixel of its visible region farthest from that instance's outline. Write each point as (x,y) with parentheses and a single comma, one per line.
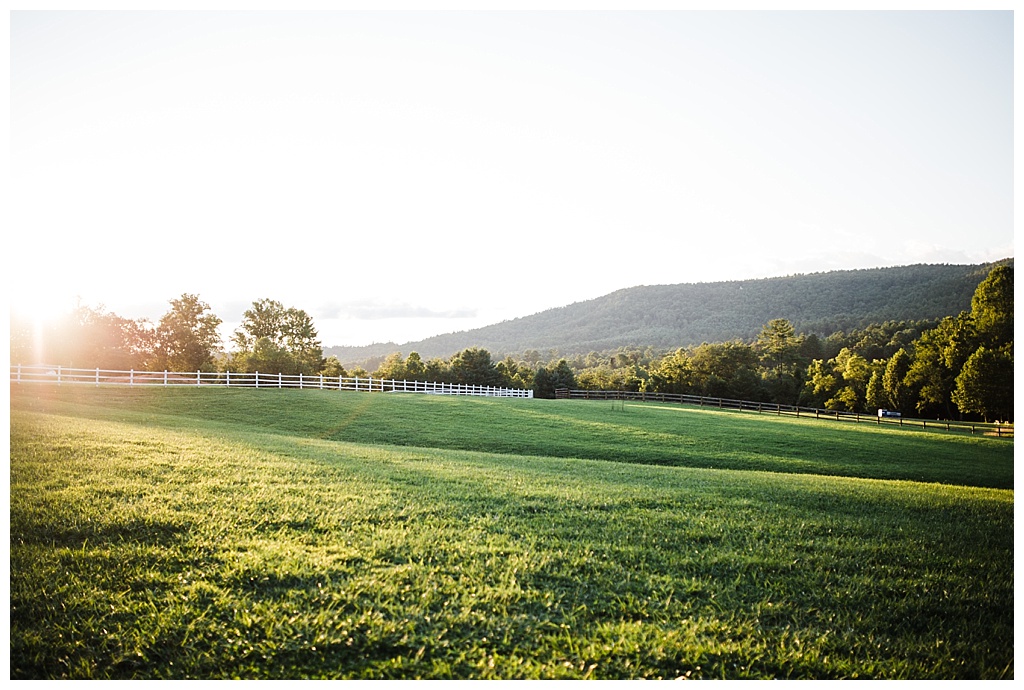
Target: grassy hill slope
(670,316)
(282,534)
(652,434)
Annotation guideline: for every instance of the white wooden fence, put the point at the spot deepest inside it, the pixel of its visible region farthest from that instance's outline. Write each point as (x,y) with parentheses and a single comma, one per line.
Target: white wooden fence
(107,377)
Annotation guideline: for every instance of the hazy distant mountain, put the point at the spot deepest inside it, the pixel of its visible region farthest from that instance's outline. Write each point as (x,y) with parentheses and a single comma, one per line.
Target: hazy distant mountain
(671,316)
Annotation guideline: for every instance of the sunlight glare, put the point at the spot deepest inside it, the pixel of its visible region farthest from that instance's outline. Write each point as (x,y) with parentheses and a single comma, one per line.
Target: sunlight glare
(40,307)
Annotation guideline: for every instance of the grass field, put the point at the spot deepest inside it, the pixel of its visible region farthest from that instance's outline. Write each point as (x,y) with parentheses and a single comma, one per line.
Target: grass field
(183,533)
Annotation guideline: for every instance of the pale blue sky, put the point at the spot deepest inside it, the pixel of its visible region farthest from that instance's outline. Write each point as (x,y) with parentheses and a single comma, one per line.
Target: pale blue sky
(400,175)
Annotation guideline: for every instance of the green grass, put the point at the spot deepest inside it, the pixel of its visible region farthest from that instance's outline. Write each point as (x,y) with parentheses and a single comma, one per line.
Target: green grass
(285,534)
(642,433)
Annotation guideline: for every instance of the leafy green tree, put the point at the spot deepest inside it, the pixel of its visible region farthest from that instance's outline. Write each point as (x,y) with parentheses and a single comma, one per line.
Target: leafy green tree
(269,357)
(992,307)
(845,382)
(514,374)
(187,337)
(414,367)
(985,384)
(599,378)
(939,355)
(876,397)
(393,367)
(302,342)
(274,339)
(725,370)
(898,393)
(436,369)
(562,376)
(811,348)
(473,366)
(333,368)
(543,383)
(548,379)
(674,373)
(778,346)
(846,398)
(822,383)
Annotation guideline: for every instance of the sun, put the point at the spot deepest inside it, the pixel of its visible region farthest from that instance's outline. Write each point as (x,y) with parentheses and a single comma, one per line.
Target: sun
(40,308)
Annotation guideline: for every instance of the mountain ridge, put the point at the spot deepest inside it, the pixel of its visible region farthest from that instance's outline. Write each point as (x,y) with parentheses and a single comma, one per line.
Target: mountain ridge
(685,314)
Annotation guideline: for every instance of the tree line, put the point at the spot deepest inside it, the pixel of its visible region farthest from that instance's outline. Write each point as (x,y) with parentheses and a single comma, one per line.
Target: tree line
(271,339)
(956,367)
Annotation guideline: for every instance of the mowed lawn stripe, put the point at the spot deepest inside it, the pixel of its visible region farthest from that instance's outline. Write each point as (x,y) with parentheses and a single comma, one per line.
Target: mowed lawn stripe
(639,433)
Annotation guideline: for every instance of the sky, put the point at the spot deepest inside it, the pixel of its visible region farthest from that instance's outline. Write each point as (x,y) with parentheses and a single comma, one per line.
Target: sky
(399,175)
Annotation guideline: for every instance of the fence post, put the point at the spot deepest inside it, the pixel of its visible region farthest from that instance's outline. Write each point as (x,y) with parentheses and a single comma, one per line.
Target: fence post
(131,377)
(321,381)
(199,377)
(19,373)
(228,372)
(97,376)
(165,377)
(257,379)
(300,380)
(278,379)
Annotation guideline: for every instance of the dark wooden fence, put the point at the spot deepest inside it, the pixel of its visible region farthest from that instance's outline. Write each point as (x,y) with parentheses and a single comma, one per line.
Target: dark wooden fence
(998,430)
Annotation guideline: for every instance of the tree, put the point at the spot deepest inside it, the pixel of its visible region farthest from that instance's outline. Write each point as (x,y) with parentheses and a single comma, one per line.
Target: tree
(821,384)
(187,336)
(332,367)
(725,370)
(473,366)
(274,339)
(548,379)
(414,366)
(992,307)
(898,393)
(514,374)
(265,319)
(985,385)
(393,367)
(876,397)
(674,374)
(778,346)
(302,342)
(939,355)
(543,387)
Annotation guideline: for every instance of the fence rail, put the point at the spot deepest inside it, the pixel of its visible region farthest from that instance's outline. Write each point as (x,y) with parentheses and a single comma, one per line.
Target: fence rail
(107,377)
(998,430)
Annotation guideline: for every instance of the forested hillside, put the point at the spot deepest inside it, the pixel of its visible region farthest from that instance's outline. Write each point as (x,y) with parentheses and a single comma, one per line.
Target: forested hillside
(935,341)
(670,316)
